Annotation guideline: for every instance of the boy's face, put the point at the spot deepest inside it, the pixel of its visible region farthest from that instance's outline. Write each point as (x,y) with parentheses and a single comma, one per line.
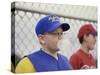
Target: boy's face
(51,39)
(90,41)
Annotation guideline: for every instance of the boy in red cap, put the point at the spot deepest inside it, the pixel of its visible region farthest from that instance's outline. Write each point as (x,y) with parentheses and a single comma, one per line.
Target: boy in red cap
(82,59)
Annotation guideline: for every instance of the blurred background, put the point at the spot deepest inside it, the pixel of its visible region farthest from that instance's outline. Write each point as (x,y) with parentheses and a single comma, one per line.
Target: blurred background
(25,15)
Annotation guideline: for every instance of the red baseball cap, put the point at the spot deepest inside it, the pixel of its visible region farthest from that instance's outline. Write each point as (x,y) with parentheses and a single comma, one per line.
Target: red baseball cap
(86,29)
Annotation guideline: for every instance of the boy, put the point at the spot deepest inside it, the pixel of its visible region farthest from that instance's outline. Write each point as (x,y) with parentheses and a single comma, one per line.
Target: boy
(49,31)
(82,59)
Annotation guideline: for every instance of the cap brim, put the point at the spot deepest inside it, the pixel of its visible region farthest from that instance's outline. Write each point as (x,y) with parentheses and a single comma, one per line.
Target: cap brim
(65,26)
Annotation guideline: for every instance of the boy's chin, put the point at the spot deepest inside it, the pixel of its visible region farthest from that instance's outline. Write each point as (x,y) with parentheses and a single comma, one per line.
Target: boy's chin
(91,48)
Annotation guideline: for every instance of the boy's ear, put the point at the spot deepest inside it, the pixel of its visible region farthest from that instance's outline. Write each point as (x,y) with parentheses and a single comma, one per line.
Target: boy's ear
(85,37)
(41,39)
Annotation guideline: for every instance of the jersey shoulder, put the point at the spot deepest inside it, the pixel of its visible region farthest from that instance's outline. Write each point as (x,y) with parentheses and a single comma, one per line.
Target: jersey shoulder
(25,66)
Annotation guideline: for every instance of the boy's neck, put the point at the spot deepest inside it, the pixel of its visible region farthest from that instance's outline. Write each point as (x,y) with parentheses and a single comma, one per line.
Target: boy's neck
(54,54)
(85,49)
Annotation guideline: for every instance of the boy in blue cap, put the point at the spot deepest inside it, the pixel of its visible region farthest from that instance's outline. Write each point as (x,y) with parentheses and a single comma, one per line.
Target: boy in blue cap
(49,31)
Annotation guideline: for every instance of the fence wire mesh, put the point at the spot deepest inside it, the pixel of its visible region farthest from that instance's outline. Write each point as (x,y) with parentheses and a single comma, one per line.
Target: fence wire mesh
(27,15)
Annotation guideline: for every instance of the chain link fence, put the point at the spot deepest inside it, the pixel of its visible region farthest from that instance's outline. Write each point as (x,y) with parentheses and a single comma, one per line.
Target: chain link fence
(25,16)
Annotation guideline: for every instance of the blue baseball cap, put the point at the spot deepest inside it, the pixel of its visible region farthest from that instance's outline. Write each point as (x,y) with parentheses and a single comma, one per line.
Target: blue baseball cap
(49,24)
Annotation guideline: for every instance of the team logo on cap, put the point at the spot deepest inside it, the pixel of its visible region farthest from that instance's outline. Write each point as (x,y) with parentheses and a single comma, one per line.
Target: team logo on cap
(53,18)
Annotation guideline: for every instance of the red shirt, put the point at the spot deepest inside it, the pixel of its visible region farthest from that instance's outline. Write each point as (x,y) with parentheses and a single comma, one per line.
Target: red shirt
(82,60)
